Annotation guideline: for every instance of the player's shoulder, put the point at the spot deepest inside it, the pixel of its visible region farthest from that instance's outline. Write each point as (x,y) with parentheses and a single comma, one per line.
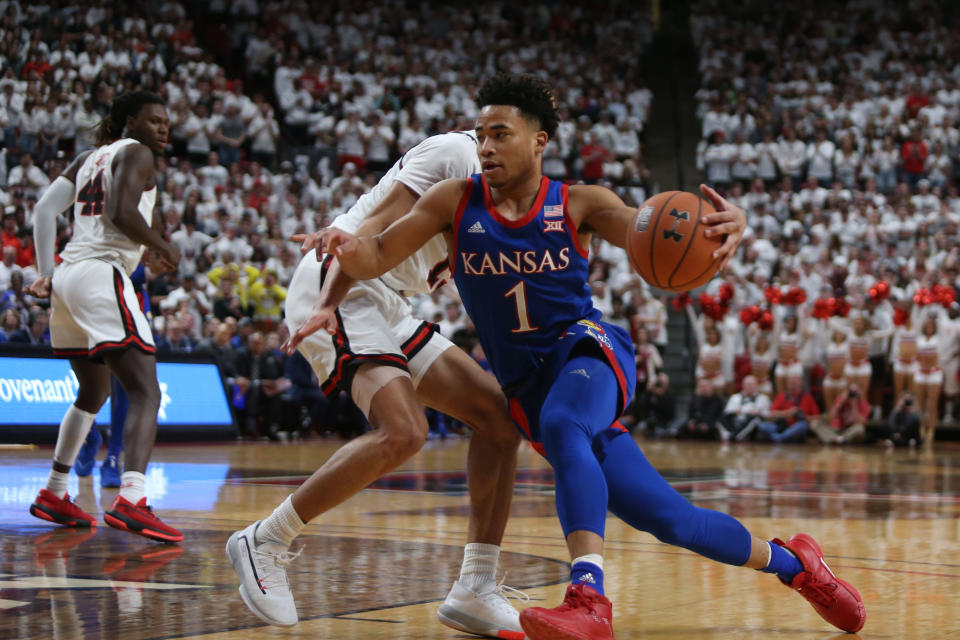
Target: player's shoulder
(453,142)
(70,173)
(134,153)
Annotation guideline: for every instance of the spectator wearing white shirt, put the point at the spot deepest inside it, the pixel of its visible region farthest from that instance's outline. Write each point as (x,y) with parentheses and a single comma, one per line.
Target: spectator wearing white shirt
(718,158)
(28,176)
(846,162)
(820,158)
(350,134)
(264,132)
(214,174)
(626,142)
(379,139)
(791,156)
(188,298)
(939,166)
(197,131)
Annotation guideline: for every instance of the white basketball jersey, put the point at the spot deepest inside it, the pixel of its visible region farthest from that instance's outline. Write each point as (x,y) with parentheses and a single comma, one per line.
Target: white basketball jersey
(447,155)
(93,235)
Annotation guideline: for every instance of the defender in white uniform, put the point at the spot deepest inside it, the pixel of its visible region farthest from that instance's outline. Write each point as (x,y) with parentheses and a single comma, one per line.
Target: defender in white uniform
(94,306)
(96,320)
(390,362)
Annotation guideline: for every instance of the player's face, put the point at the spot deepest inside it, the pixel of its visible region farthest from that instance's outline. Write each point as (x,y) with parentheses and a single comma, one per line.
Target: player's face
(509,145)
(151,127)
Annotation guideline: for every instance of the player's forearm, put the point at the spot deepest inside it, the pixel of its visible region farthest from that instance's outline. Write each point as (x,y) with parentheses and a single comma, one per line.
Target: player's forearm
(134,227)
(366,261)
(336,284)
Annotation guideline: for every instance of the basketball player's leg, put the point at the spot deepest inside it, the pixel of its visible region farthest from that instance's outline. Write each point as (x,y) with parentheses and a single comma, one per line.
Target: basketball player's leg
(456,385)
(399,431)
(137,372)
(640,496)
(52,503)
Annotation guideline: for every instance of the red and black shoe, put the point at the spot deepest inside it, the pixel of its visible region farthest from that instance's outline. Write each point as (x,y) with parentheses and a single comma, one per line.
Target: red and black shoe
(583,615)
(138,518)
(63,511)
(835,600)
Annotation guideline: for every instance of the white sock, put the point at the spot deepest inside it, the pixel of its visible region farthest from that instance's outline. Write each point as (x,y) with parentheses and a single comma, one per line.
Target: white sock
(74,428)
(593,558)
(131,485)
(281,526)
(57,483)
(479,566)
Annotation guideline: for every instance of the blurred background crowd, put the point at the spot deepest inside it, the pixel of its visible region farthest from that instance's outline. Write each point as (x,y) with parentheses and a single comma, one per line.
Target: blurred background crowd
(834,128)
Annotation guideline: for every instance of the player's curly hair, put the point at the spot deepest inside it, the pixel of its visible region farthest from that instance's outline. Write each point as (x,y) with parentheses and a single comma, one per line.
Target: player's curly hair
(528,93)
(125,105)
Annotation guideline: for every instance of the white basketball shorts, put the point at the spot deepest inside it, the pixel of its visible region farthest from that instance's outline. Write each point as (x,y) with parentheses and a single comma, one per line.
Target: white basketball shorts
(95,309)
(375,326)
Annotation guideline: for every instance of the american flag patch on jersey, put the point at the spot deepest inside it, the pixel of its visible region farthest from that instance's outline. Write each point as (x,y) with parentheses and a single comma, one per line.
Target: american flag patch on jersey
(553,211)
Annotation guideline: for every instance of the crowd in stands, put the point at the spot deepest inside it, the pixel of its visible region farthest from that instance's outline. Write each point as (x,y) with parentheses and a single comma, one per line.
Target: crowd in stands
(835,128)
(282,115)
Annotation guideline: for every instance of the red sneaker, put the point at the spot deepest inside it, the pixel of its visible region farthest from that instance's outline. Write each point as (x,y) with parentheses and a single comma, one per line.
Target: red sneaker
(584,615)
(63,511)
(138,518)
(835,600)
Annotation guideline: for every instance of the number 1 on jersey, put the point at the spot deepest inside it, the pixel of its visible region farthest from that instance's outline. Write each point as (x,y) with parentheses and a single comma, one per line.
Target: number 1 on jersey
(520,298)
(91,195)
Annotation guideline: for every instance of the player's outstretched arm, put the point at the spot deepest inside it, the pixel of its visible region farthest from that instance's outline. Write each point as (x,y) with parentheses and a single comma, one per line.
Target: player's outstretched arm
(132,175)
(368,257)
(597,209)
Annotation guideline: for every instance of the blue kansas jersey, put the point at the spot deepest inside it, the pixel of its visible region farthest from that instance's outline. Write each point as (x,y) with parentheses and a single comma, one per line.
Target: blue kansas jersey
(524,284)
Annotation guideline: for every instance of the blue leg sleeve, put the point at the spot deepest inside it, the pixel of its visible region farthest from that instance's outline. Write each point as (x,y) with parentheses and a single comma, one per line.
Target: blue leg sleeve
(581,403)
(119,403)
(641,497)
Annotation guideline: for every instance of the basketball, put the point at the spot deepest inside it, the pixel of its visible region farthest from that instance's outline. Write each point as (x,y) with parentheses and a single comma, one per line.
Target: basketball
(667,245)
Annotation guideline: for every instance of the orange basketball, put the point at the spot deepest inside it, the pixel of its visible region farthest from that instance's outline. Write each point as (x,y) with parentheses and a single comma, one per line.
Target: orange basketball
(667,245)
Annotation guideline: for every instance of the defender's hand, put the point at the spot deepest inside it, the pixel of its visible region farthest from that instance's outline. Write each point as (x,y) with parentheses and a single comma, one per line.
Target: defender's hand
(323,318)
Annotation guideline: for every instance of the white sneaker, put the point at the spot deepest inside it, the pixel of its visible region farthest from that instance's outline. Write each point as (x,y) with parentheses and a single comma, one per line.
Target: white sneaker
(484,614)
(262,569)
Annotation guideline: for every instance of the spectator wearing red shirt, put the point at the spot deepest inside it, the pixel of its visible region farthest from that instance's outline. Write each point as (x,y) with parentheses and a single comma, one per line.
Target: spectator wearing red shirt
(593,155)
(848,417)
(914,156)
(8,237)
(916,100)
(790,414)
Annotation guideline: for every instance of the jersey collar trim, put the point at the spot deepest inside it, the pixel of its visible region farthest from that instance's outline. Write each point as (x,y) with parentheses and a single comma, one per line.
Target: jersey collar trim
(531,214)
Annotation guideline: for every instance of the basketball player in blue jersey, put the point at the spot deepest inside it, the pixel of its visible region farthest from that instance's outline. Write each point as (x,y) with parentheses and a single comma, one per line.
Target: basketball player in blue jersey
(518,246)
(391,364)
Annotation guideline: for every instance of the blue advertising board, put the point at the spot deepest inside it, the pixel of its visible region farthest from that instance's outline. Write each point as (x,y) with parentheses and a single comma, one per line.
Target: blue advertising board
(37,391)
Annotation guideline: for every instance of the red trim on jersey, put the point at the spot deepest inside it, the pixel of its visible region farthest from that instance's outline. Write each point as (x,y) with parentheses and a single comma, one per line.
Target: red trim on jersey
(461,207)
(530,215)
(433,278)
(617,371)
(571,228)
(619,427)
(520,419)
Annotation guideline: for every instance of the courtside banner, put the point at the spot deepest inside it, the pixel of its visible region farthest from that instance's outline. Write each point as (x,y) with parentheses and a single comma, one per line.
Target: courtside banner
(37,391)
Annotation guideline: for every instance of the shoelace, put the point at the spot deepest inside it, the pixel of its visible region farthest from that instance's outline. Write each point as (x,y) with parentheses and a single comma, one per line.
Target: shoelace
(575,599)
(821,592)
(273,566)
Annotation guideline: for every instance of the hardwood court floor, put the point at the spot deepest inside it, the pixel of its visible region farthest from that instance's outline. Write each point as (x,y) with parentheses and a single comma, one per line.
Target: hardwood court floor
(378,566)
